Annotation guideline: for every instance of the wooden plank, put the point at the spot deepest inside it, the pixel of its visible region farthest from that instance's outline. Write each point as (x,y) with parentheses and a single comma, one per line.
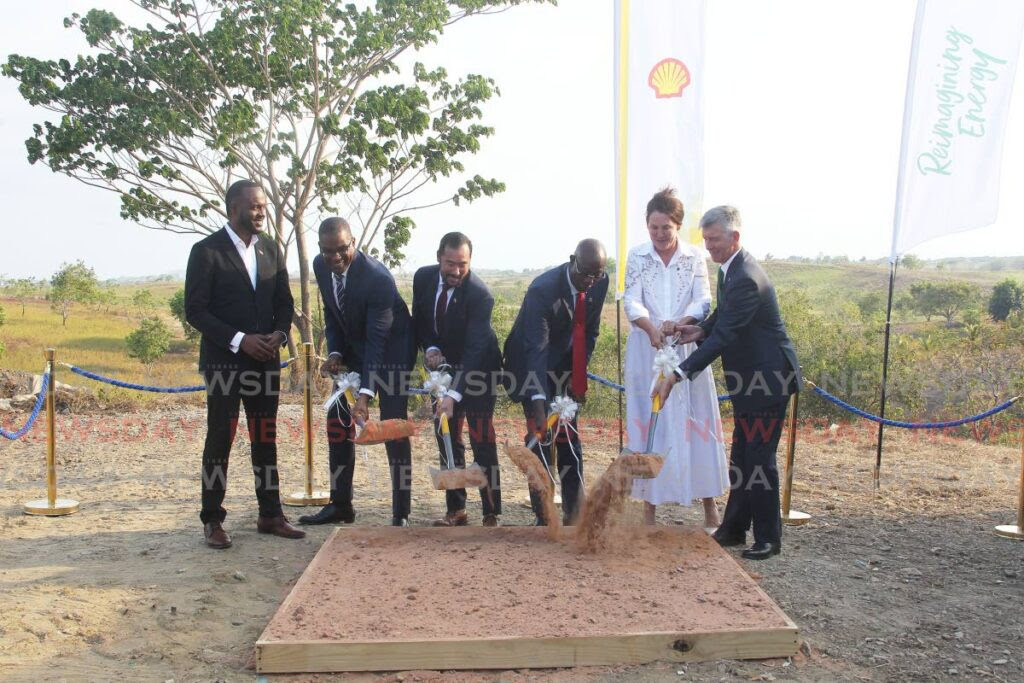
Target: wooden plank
(518,653)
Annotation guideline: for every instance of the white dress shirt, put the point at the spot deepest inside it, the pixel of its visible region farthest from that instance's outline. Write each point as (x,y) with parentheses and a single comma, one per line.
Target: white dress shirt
(248,254)
(456,396)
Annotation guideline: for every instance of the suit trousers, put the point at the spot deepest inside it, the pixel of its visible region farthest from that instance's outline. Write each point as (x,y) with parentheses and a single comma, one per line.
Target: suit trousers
(476,412)
(569,459)
(754,475)
(342,455)
(258,390)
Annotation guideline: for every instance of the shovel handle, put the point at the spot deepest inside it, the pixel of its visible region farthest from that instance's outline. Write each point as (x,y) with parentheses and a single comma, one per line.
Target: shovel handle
(656,406)
(444,424)
(552,419)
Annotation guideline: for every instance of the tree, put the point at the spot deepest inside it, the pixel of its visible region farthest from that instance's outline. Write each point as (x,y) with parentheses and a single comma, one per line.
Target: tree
(1007,297)
(143,300)
(943,298)
(149,341)
(74,283)
(871,303)
(910,262)
(23,289)
(305,98)
(177,306)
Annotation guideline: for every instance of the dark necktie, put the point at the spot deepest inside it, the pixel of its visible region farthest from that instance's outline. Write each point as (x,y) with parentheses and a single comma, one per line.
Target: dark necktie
(439,310)
(339,295)
(718,291)
(579,347)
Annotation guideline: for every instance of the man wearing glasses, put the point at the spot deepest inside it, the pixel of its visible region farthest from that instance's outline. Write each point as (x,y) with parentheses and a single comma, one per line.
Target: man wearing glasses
(368,331)
(546,355)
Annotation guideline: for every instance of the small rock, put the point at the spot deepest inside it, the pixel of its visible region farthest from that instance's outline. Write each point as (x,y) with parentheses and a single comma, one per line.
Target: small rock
(952,671)
(911,571)
(1010,573)
(236,622)
(174,610)
(274,558)
(1000,662)
(936,550)
(861,563)
(239,576)
(182,570)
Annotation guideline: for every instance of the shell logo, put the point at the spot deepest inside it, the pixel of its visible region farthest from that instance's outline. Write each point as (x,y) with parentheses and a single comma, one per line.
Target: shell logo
(669,78)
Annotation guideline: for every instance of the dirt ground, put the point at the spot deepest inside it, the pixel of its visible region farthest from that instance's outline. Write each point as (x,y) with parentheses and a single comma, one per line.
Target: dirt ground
(906,584)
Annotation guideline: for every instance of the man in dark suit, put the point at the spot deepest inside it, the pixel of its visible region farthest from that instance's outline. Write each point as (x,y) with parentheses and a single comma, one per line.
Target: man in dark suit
(367,328)
(546,355)
(237,296)
(761,372)
(451,312)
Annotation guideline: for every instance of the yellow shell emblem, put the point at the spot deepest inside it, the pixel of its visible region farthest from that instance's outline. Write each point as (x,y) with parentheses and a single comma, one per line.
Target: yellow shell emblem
(669,78)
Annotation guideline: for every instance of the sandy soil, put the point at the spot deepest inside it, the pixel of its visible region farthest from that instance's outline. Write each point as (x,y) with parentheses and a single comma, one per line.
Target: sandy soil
(906,584)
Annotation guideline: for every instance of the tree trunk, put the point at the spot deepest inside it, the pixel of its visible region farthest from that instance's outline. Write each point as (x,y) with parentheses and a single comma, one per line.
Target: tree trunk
(305,328)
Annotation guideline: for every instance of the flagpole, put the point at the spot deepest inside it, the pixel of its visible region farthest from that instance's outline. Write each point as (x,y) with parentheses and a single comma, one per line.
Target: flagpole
(908,100)
(885,374)
(621,162)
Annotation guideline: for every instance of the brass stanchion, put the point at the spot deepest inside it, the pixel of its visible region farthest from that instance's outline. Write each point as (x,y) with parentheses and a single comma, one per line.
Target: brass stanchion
(789,516)
(52,506)
(1016,531)
(308,496)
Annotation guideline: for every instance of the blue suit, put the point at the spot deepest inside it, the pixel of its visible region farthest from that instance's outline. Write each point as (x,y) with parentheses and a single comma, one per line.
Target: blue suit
(374,339)
(538,360)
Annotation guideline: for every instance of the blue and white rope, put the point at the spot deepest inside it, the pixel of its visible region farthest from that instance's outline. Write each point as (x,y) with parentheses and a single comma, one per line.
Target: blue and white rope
(911,425)
(143,387)
(40,399)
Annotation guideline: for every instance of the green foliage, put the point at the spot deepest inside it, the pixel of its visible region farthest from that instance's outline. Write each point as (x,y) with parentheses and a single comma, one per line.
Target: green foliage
(945,298)
(871,303)
(910,262)
(3,316)
(149,341)
(143,300)
(177,306)
(23,289)
(74,283)
(1007,297)
(304,98)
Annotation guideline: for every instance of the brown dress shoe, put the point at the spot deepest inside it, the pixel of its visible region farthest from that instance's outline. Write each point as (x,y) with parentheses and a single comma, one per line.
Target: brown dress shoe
(491,520)
(278,526)
(215,536)
(457,518)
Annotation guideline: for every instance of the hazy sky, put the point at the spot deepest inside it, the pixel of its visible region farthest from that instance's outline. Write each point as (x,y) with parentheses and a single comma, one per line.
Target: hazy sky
(804,104)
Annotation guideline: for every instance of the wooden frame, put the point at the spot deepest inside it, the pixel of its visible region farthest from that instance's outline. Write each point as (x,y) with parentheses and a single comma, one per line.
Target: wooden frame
(305,656)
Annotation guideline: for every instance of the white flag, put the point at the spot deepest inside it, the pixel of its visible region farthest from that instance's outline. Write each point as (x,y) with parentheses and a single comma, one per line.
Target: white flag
(659,123)
(962,66)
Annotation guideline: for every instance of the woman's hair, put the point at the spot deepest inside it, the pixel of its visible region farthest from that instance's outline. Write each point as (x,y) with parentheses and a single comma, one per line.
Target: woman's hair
(666,202)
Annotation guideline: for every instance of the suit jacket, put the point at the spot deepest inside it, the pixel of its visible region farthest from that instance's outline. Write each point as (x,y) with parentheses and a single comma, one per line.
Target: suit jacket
(466,339)
(541,337)
(220,300)
(374,339)
(747,331)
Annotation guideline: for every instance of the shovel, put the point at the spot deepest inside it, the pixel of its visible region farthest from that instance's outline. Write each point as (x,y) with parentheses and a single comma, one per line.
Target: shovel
(452,477)
(646,465)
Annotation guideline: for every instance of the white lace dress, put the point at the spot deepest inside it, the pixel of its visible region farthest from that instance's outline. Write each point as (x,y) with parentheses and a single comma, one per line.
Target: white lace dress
(689,430)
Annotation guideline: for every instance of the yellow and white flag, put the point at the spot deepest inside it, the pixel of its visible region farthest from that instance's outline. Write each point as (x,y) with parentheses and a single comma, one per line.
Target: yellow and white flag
(659,121)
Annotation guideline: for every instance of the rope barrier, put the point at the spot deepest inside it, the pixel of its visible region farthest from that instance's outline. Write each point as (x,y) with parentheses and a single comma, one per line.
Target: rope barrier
(142,387)
(40,400)
(619,387)
(910,425)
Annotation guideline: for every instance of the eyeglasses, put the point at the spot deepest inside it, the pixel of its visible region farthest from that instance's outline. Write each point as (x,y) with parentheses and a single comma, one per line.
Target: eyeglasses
(597,275)
(341,251)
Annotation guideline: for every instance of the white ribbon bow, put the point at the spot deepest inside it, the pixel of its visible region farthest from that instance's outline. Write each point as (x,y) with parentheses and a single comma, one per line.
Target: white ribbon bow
(437,383)
(566,408)
(342,383)
(666,360)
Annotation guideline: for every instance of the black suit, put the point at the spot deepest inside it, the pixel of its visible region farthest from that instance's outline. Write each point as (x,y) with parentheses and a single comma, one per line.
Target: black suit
(470,347)
(374,339)
(538,360)
(220,302)
(761,371)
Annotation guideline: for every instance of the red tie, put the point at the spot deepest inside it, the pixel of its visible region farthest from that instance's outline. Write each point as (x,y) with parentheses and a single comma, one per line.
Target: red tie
(579,347)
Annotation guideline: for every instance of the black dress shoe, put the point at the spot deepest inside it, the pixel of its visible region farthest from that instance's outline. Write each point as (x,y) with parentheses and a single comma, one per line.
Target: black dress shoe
(762,551)
(330,514)
(400,521)
(727,540)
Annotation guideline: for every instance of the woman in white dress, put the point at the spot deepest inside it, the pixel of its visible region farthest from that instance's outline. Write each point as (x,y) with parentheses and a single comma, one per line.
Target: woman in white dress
(666,283)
